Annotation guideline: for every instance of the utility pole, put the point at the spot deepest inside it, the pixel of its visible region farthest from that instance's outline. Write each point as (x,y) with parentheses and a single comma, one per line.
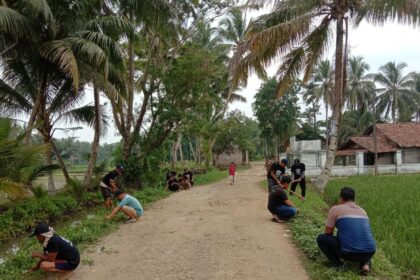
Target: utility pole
(375,140)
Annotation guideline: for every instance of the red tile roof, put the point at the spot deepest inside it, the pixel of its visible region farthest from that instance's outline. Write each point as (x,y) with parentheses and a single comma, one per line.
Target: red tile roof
(390,138)
(405,135)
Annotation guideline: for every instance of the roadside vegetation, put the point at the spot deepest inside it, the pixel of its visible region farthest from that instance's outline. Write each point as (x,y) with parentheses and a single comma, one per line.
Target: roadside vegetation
(81,221)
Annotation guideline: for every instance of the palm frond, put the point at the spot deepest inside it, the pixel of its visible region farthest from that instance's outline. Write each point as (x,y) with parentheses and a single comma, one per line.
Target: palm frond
(13,23)
(60,53)
(290,69)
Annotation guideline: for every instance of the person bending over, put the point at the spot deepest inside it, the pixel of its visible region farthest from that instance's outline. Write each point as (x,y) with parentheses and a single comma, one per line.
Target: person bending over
(59,255)
(108,185)
(298,172)
(129,205)
(354,240)
(278,169)
(278,203)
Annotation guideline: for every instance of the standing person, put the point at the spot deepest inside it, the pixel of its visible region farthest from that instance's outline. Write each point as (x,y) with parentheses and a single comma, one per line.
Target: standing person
(354,240)
(232,171)
(108,185)
(59,254)
(279,204)
(129,205)
(188,175)
(298,172)
(278,169)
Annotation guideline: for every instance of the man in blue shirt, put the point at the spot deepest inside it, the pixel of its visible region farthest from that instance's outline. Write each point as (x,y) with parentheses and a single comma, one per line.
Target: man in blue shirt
(354,239)
(129,205)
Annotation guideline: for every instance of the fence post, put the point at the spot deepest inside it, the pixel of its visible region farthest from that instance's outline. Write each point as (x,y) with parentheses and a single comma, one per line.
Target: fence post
(360,163)
(398,162)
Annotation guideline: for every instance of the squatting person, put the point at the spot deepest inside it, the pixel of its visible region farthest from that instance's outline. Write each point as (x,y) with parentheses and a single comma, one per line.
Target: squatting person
(279,204)
(354,240)
(59,255)
(108,185)
(129,205)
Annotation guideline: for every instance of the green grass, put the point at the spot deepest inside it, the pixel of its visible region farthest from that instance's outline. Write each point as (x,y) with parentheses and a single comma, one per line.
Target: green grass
(87,230)
(392,203)
(213,175)
(308,225)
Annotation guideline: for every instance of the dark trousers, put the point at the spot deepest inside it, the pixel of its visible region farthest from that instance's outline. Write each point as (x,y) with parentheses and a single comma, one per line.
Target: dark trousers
(302,184)
(330,246)
(285,213)
(271,185)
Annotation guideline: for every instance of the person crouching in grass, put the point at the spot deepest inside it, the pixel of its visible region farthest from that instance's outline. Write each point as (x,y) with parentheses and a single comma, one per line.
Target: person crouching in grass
(129,205)
(59,256)
(354,239)
(279,204)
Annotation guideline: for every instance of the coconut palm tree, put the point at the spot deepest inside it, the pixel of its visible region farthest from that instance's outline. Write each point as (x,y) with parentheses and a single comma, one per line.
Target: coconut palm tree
(233,27)
(45,37)
(300,31)
(20,165)
(320,86)
(360,91)
(396,92)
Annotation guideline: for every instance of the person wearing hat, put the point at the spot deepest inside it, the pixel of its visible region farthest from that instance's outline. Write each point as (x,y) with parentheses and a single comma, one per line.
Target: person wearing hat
(278,169)
(59,255)
(109,186)
(298,171)
(279,204)
(129,205)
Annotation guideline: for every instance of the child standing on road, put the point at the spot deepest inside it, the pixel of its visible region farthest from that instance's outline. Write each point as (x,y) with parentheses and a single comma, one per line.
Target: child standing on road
(232,171)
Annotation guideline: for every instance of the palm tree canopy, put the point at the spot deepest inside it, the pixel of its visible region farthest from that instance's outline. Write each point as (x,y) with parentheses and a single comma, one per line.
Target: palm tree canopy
(396,91)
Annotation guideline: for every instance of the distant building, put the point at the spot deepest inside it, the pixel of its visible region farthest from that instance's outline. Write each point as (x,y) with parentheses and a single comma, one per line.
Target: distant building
(395,142)
(236,155)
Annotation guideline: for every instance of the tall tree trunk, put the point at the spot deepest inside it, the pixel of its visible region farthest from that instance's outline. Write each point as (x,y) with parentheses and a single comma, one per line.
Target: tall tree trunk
(37,103)
(327,134)
(181,154)
(322,180)
(51,185)
(96,137)
(198,150)
(60,160)
(193,156)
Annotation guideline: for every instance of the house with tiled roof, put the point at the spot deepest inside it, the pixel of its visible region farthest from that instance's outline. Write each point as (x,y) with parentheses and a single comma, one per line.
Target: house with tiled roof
(396,144)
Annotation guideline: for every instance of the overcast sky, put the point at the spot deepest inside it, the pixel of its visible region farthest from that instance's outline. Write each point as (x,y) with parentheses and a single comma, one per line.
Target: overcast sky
(378,45)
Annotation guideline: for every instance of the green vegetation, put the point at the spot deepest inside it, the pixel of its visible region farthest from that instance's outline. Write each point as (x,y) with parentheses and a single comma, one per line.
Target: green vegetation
(392,203)
(306,227)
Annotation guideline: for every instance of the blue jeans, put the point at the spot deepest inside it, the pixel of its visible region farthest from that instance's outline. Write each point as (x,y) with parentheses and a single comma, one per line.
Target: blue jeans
(285,212)
(330,246)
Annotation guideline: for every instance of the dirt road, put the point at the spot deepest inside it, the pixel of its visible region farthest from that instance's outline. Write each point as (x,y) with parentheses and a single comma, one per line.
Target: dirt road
(216,231)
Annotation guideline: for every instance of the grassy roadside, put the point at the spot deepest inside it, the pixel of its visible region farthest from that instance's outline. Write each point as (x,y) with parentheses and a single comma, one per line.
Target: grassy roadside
(87,229)
(306,227)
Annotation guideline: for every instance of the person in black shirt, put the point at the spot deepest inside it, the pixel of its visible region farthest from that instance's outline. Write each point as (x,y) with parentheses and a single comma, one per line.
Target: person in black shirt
(188,175)
(278,169)
(172,183)
(59,255)
(279,204)
(109,186)
(298,172)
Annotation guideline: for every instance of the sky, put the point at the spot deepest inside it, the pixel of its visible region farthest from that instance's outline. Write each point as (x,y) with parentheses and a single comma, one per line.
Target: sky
(378,45)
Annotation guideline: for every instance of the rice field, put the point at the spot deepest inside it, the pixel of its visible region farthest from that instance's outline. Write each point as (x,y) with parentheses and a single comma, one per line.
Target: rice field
(393,206)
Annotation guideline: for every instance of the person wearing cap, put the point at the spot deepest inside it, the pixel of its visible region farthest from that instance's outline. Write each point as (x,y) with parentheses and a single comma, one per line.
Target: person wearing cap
(129,205)
(279,204)
(278,169)
(59,255)
(298,172)
(109,186)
